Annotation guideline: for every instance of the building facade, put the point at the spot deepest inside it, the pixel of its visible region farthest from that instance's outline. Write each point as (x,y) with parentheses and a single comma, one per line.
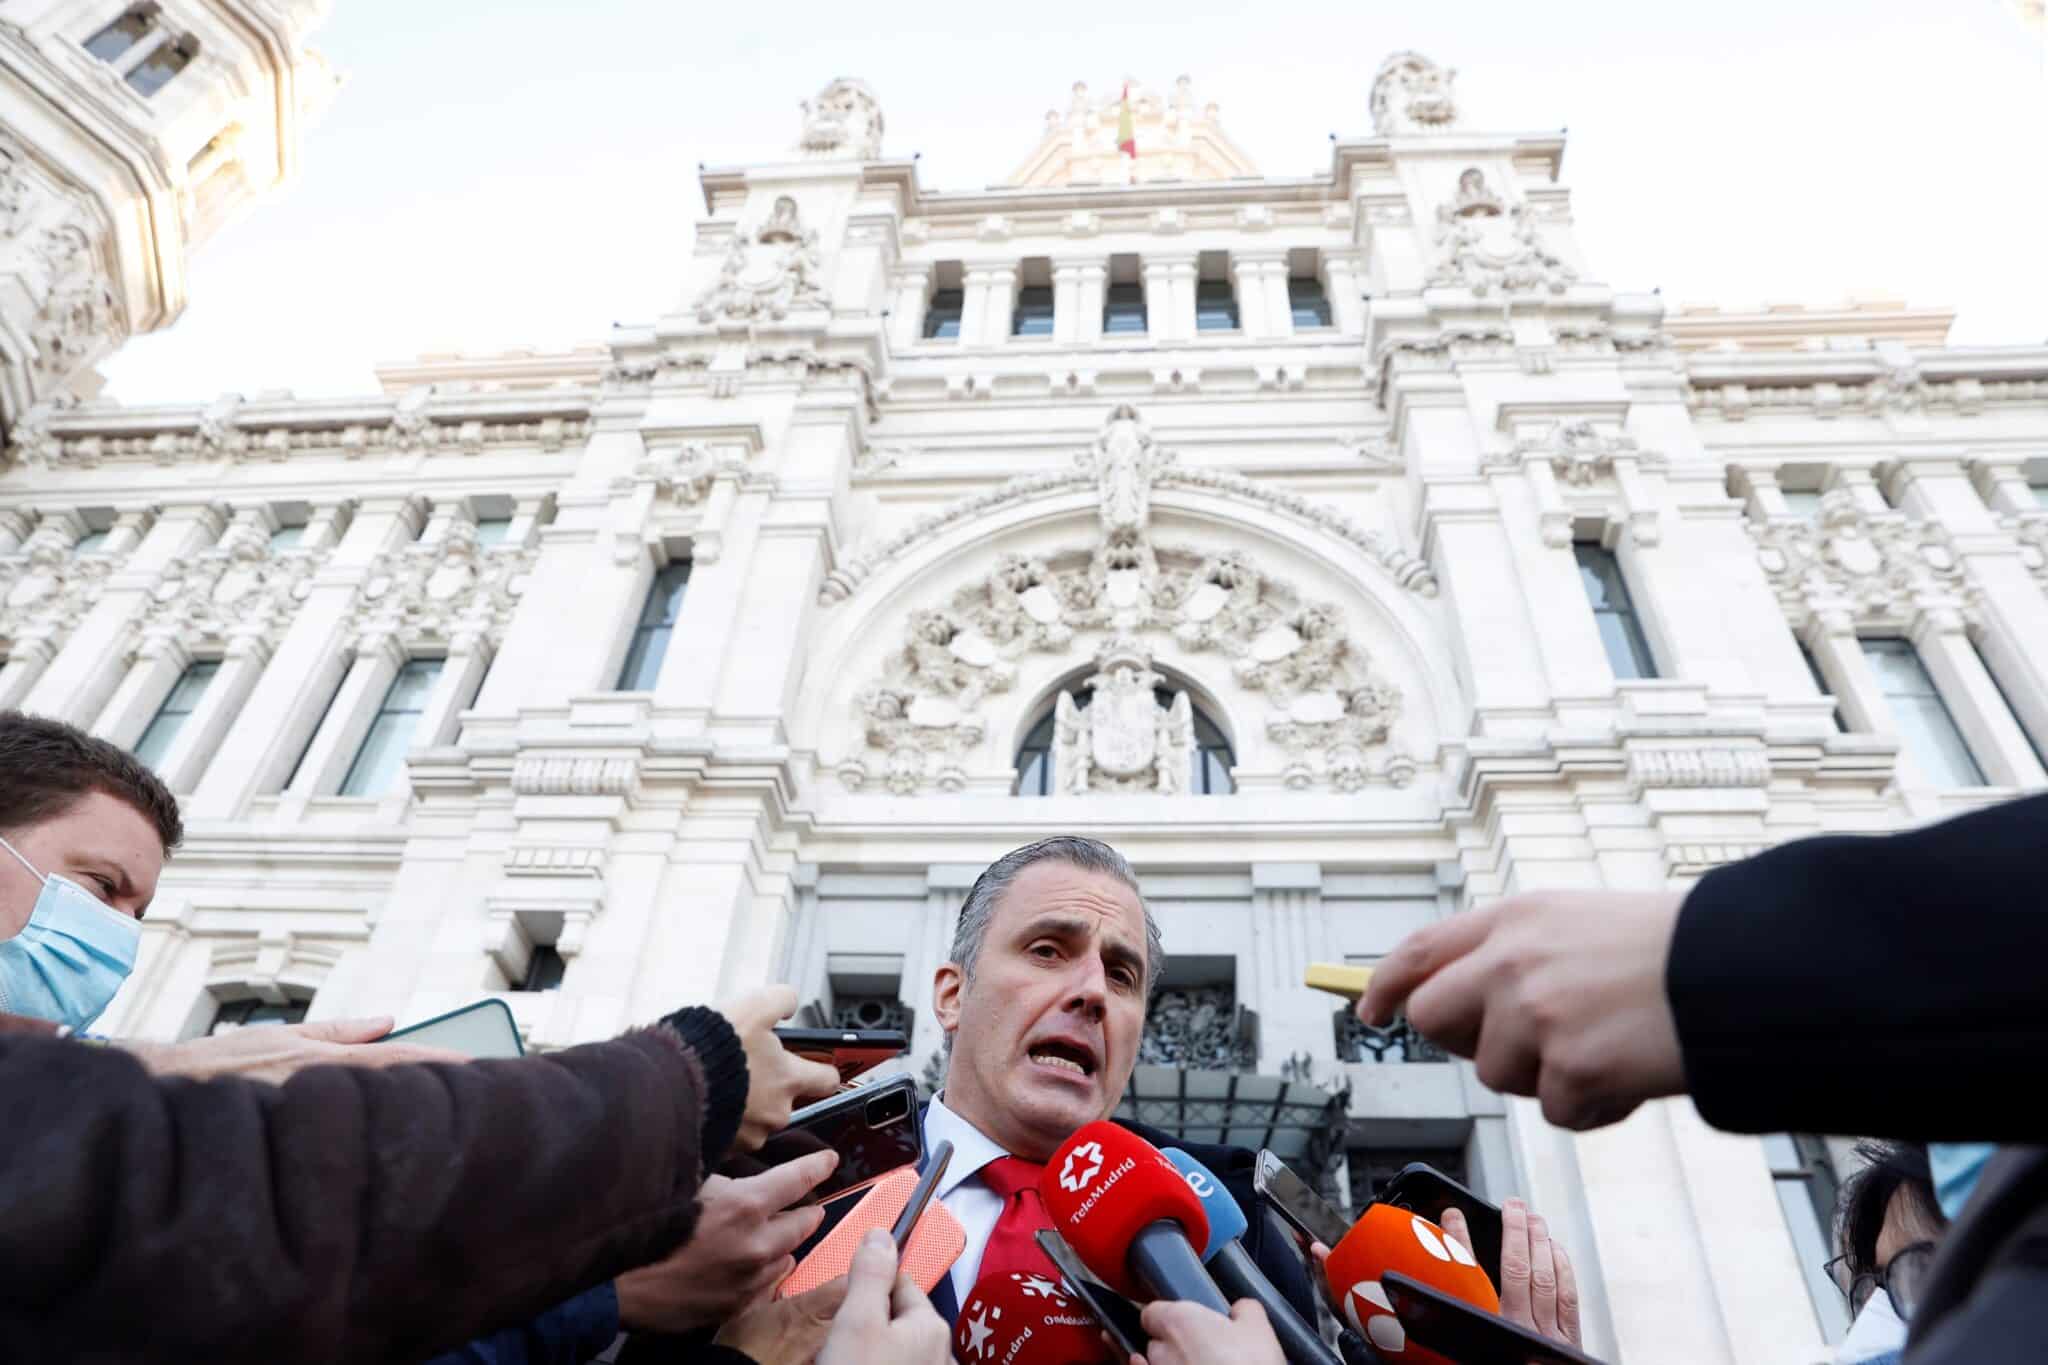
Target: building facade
(1343,549)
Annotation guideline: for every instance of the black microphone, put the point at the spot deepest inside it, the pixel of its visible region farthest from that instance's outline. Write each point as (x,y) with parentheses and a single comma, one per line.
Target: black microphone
(1129,1215)
(1238,1275)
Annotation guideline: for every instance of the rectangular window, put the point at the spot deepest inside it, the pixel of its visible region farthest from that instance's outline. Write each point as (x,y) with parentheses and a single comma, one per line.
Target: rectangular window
(155,71)
(1615,613)
(378,762)
(493,530)
(1926,728)
(117,37)
(1813,667)
(177,709)
(942,318)
(2040,493)
(1123,310)
(253,1013)
(1309,304)
(1215,306)
(1802,503)
(287,537)
(657,623)
(1805,1181)
(2032,742)
(544,970)
(91,543)
(1033,317)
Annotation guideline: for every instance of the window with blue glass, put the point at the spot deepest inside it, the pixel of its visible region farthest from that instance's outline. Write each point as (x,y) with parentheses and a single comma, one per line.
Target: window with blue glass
(1033,315)
(1308,301)
(492,530)
(1123,310)
(156,71)
(91,543)
(657,623)
(124,33)
(1614,612)
(178,707)
(287,537)
(1926,729)
(942,315)
(1209,762)
(1215,306)
(382,756)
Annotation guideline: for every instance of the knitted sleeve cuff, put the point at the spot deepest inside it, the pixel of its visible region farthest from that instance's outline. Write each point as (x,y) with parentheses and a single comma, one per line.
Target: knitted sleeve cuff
(705,1032)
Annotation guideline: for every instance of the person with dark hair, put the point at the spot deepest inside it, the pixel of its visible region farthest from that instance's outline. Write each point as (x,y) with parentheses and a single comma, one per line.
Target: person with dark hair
(1887,1225)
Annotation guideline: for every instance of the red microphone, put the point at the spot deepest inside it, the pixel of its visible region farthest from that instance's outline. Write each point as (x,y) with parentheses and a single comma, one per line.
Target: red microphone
(1129,1215)
(1386,1238)
(1023,1319)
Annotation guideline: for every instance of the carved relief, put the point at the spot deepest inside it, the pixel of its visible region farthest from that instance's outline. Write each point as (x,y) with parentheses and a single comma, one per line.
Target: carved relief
(1699,767)
(1123,740)
(1484,251)
(45,588)
(421,594)
(1869,564)
(15,191)
(241,585)
(1412,94)
(1475,196)
(843,121)
(767,271)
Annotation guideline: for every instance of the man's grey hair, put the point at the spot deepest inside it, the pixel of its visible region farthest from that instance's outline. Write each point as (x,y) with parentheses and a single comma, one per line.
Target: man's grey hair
(1091,855)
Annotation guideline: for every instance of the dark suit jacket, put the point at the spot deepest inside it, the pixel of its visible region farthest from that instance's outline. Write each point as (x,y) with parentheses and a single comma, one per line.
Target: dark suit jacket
(1983,1300)
(1271,1246)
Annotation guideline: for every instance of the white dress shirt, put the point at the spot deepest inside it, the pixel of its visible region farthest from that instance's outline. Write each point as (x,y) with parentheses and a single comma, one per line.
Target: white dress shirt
(966,1196)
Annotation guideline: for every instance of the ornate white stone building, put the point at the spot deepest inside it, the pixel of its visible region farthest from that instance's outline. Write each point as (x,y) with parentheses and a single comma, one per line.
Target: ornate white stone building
(1344,549)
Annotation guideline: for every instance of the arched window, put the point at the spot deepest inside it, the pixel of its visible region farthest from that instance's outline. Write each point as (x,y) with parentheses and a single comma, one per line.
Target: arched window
(1208,768)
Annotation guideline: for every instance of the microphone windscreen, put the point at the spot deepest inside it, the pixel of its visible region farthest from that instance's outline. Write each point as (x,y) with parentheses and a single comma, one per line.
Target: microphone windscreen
(1226,1219)
(1024,1319)
(1104,1187)
(1386,1238)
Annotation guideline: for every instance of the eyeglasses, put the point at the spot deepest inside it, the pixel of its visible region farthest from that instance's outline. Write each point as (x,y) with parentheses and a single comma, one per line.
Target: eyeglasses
(1903,1277)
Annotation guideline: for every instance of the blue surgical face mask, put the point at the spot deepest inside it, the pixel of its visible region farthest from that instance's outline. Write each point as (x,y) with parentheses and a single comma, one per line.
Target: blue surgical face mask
(71,956)
(1877,1336)
(1955,1167)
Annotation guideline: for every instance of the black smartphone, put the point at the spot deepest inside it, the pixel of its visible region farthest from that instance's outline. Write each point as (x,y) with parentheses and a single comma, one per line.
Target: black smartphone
(1421,1188)
(875,1130)
(1117,1315)
(1287,1194)
(921,1194)
(849,1051)
(1467,1334)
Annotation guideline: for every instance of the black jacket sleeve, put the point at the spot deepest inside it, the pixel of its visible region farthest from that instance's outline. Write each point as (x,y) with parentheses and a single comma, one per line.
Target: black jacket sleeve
(1894,985)
(350,1214)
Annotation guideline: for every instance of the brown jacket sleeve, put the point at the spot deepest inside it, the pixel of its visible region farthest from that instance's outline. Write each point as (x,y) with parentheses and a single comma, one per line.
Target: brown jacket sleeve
(349,1215)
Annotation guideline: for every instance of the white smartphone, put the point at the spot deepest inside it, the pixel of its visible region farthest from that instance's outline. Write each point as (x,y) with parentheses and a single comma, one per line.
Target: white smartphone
(484,1029)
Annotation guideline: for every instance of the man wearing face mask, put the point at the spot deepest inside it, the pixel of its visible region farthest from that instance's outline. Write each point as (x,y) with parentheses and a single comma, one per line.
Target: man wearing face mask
(85,830)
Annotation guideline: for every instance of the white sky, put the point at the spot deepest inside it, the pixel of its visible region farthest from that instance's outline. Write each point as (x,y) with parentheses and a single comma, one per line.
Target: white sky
(525,173)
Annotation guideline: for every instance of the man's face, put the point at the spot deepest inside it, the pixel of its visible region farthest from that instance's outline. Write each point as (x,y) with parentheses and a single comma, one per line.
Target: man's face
(1045,1036)
(99,841)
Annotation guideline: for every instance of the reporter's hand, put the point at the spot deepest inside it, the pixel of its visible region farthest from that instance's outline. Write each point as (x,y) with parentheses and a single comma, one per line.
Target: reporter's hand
(1537,1286)
(737,1254)
(273,1052)
(785,1331)
(1186,1333)
(886,1319)
(777,1079)
(1558,994)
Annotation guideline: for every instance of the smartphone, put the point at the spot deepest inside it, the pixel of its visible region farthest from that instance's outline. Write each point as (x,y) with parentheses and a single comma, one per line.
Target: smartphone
(875,1130)
(921,1195)
(1117,1314)
(849,1051)
(484,1029)
(1468,1334)
(1308,1213)
(1422,1188)
(928,1248)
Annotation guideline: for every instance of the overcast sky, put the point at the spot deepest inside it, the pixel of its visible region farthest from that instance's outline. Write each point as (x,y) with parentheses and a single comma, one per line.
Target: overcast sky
(524,174)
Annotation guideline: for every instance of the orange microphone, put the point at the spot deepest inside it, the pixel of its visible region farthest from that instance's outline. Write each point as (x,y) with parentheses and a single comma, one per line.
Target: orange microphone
(1387,1239)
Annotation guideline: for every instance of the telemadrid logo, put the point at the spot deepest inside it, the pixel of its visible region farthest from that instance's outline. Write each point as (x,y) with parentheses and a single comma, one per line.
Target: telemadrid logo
(1090,1152)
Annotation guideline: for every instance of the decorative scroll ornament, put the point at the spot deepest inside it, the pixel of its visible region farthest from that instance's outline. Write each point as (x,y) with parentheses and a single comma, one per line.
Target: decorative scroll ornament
(240,586)
(1123,739)
(767,272)
(45,588)
(1480,249)
(842,122)
(1328,710)
(437,593)
(2030,529)
(1874,565)
(1412,94)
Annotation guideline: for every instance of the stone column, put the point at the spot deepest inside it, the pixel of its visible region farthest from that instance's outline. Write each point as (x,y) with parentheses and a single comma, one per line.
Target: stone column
(1837,650)
(27,657)
(130,526)
(1279,307)
(1248,278)
(1069,276)
(1342,282)
(999,302)
(16,525)
(1994,737)
(1162,318)
(462,669)
(1287,935)
(371,671)
(929,947)
(910,287)
(158,663)
(240,668)
(1094,283)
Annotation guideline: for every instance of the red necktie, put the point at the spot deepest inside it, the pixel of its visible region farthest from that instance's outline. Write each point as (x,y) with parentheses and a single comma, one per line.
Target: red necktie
(1011,1246)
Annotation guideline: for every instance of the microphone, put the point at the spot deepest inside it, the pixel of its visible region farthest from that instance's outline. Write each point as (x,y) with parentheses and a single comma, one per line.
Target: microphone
(1237,1274)
(1385,1239)
(1021,1319)
(1129,1216)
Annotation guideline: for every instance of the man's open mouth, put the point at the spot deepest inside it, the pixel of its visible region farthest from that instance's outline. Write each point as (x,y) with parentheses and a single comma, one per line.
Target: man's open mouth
(1065,1053)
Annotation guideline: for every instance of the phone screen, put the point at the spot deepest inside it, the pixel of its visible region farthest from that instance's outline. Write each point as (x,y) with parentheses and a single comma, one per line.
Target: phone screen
(1421,1188)
(1472,1336)
(850,1052)
(875,1130)
(934,1172)
(1307,1212)
(484,1029)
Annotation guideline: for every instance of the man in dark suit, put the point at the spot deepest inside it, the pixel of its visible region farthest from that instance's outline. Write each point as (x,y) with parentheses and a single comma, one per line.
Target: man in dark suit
(1043,1002)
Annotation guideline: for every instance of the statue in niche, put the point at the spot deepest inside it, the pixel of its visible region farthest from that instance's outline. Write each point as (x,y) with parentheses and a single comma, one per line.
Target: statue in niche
(1123,739)
(768,271)
(842,122)
(1125,460)
(1474,196)
(1412,94)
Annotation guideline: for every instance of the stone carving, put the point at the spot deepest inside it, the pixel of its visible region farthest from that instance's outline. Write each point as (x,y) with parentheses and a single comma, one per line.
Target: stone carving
(869,460)
(683,472)
(1475,197)
(1123,739)
(15,192)
(437,593)
(239,586)
(767,272)
(575,775)
(1197,1028)
(1485,251)
(1412,94)
(1328,709)
(1579,452)
(1699,767)
(2031,531)
(219,436)
(45,589)
(1880,565)
(843,122)
(32,440)
(71,327)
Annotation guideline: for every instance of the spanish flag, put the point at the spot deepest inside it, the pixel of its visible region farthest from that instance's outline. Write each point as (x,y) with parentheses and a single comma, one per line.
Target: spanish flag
(1126,128)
